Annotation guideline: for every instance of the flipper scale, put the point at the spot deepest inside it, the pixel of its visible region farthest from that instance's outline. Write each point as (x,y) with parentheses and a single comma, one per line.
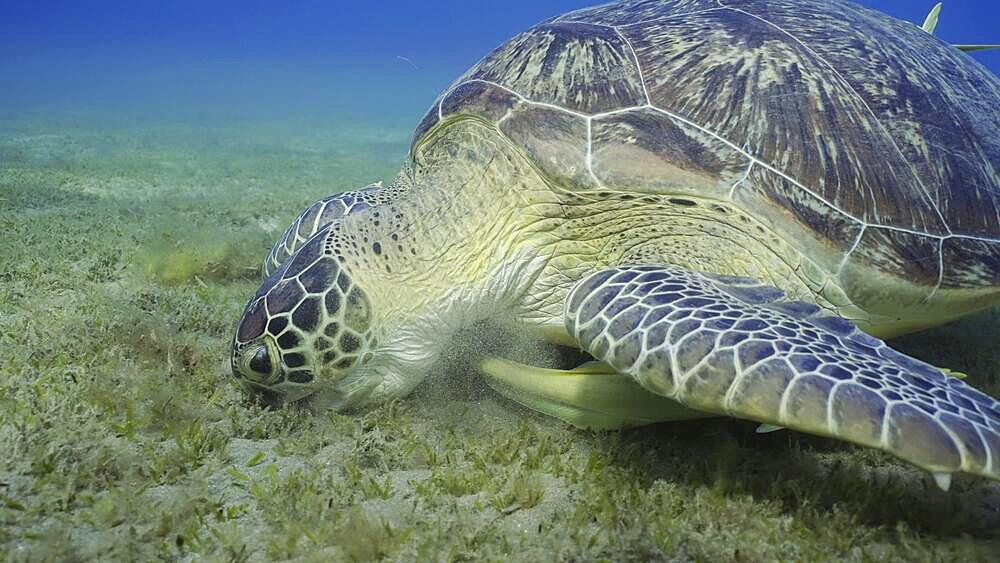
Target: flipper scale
(733,346)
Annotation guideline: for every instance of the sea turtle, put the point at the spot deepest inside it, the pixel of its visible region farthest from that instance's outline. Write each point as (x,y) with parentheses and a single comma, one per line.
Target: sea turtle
(725,203)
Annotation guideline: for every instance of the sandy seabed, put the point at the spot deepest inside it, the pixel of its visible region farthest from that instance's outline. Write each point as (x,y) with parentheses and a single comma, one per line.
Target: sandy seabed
(127,251)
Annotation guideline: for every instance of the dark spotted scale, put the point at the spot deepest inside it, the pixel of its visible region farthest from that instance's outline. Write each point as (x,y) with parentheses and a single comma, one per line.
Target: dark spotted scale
(322,213)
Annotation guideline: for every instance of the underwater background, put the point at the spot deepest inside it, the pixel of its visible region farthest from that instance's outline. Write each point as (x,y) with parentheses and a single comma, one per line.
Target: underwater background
(150,154)
(211,62)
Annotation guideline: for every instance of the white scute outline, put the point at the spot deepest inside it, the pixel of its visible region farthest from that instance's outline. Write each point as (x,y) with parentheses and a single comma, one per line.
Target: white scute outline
(863,223)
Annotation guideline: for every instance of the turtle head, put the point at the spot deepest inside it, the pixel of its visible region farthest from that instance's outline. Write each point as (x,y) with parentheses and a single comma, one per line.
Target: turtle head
(308,328)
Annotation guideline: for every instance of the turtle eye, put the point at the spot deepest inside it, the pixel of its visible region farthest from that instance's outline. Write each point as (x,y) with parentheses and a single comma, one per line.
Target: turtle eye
(260,362)
(259,365)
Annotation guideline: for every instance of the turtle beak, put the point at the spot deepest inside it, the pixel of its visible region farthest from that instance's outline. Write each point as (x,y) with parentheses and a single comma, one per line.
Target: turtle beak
(258,369)
(352,391)
(274,395)
(266,396)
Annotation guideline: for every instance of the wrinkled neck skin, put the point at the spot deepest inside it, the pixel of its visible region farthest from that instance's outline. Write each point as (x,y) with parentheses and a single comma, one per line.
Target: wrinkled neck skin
(479,233)
(446,253)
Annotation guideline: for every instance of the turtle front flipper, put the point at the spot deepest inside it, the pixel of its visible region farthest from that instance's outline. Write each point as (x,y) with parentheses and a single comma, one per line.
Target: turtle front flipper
(733,346)
(592,396)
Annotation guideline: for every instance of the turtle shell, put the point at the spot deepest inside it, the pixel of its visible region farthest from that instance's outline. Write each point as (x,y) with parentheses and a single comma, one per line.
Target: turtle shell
(820,117)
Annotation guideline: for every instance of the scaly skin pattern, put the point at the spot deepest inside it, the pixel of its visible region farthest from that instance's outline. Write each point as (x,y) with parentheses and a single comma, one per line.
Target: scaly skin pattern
(733,346)
(422,265)
(309,317)
(429,261)
(322,213)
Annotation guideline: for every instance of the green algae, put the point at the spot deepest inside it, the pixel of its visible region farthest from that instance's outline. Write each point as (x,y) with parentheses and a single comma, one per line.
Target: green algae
(128,254)
(206,254)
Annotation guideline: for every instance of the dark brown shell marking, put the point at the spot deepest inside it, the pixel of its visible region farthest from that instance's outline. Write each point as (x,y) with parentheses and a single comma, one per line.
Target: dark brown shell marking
(872,134)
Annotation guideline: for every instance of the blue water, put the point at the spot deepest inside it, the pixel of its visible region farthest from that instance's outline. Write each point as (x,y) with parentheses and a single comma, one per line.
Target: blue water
(222,59)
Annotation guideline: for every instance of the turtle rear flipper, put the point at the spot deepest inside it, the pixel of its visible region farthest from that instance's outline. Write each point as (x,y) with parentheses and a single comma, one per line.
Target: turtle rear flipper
(733,346)
(931,22)
(592,396)
(976,47)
